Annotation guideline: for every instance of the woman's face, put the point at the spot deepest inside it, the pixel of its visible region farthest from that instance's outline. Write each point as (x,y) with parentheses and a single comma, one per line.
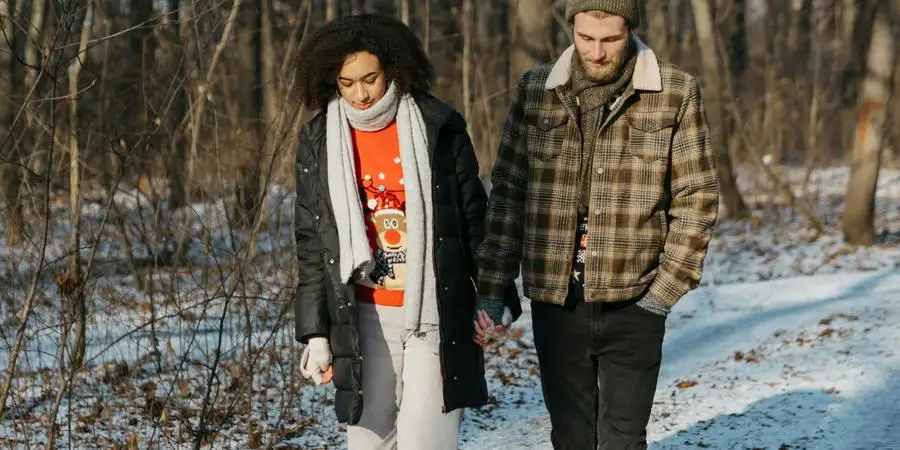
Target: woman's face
(361,80)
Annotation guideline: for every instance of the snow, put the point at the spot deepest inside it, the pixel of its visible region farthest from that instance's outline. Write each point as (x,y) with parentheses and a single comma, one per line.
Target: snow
(792,340)
(807,362)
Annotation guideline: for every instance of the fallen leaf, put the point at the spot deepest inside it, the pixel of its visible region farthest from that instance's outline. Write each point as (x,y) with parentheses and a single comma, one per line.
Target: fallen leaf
(686,384)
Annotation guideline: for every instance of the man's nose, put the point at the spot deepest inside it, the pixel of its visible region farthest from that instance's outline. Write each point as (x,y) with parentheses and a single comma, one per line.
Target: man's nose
(598,53)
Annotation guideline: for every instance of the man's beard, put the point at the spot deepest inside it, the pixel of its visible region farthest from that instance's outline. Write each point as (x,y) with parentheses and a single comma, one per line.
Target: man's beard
(606,72)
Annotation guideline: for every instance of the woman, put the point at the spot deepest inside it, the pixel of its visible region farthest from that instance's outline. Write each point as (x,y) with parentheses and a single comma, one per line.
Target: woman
(389,213)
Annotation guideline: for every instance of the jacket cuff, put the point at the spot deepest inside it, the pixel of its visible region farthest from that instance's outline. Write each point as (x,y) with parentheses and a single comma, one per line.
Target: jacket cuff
(654,305)
(666,288)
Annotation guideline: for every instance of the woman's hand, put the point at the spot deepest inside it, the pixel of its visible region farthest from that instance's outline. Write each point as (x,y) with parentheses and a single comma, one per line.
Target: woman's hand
(315,363)
(492,318)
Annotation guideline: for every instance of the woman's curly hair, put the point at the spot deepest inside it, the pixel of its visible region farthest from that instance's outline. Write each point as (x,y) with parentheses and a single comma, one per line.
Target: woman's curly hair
(321,58)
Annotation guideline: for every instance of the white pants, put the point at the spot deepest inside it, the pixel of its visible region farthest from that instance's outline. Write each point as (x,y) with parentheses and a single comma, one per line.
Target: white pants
(402,387)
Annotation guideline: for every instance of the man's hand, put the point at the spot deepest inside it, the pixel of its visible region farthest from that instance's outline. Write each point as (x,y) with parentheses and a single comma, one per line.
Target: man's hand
(492,318)
(315,363)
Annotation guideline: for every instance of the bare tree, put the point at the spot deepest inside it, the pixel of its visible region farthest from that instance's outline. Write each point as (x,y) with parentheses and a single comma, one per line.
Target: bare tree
(468,59)
(10,174)
(532,39)
(715,103)
(179,57)
(332,9)
(859,203)
(403,10)
(735,31)
(492,78)
(79,307)
(659,27)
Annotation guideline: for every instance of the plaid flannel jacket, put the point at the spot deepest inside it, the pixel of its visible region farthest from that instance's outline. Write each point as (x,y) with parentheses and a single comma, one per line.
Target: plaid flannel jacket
(654,194)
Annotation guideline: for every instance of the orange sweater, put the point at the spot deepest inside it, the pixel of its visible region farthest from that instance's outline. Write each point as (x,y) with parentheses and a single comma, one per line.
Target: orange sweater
(380,177)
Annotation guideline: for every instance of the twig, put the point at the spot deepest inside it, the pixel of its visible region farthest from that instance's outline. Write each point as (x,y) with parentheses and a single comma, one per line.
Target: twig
(785,189)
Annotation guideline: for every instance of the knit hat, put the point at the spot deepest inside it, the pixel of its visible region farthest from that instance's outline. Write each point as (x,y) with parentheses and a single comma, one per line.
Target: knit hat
(629,9)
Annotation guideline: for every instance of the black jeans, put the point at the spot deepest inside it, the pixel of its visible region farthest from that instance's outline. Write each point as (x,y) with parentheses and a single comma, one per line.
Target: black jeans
(599,367)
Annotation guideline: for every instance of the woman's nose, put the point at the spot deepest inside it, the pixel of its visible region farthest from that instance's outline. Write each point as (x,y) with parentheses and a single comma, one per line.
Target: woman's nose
(361,93)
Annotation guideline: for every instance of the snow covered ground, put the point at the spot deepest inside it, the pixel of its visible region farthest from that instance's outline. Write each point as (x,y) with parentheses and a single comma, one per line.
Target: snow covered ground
(804,362)
(791,342)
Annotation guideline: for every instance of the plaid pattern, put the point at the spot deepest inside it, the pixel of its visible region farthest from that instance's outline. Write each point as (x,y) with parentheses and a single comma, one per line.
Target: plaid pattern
(654,195)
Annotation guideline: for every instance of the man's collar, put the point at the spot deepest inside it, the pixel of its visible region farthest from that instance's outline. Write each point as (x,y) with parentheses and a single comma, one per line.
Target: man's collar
(647,76)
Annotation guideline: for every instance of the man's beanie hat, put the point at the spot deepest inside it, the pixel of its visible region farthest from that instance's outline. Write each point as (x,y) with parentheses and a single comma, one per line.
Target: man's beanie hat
(629,9)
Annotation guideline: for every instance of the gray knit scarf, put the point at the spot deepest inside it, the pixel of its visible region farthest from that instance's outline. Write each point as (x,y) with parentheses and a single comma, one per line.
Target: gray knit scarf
(420,294)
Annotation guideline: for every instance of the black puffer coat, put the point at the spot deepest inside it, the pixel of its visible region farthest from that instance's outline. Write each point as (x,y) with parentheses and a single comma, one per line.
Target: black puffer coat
(325,306)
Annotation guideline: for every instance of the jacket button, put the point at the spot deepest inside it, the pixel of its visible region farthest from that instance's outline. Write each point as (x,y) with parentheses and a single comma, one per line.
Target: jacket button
(331,261)
(546,121)
(594,253)
(452,342)
(445,287)
(317,217)
(305,170)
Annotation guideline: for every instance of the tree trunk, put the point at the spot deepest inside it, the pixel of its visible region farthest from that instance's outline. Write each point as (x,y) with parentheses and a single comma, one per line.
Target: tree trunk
(659,28)
(79,307)
(141,44)
(403,11)
(533,37)
(248,190)
(799,37)
(179,17)
(684,30)
(426,27)
(360,7)
(35,28)
(849,10)
(859,203)
(332,9)
(736,38)
(9,155)
(492,77)
(712,74)
(855,49)
(35,60)
(468,59)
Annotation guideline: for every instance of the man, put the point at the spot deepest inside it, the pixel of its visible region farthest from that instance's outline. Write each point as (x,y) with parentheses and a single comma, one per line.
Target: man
(605,193)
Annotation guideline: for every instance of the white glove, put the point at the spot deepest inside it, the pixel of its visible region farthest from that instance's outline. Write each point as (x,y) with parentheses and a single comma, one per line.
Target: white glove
(316,359)
(507,317)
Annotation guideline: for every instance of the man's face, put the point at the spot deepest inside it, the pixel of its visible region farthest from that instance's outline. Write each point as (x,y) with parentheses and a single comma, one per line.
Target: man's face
(602,45)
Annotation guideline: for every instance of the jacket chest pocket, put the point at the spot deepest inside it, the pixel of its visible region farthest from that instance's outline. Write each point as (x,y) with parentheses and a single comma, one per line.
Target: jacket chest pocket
(650,135)
(547,133)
